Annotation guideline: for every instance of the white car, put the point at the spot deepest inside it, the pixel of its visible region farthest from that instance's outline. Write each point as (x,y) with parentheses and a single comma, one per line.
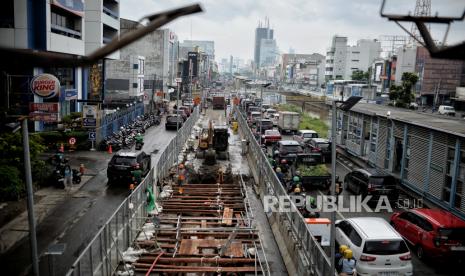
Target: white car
(376,246)
(304,135)
(446,110)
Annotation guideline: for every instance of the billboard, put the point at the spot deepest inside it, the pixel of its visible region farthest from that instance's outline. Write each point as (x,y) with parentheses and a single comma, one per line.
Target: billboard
(192,58)
(45,86)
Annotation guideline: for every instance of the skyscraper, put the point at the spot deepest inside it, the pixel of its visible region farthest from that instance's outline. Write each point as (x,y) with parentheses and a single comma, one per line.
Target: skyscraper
(261,32)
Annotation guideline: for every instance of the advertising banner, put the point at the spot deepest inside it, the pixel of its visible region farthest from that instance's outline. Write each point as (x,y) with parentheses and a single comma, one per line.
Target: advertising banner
(71,94)
(44,107)
(45,86)
(44,117)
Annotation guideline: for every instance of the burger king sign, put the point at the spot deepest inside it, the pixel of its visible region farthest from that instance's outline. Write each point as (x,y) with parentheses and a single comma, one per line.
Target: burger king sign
(45,86)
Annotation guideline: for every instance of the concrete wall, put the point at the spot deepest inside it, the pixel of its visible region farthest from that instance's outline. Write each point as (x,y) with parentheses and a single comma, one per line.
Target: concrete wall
(406,57)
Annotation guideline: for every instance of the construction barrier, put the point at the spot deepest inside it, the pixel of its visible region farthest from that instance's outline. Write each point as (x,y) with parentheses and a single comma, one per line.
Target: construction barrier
(104,252)
(301,252)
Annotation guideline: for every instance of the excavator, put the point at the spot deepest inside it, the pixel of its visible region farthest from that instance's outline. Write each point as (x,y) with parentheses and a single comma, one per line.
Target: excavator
(213,143)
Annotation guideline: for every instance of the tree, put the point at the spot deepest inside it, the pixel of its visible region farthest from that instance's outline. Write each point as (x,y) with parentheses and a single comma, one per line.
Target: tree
(402,94)
(360,75)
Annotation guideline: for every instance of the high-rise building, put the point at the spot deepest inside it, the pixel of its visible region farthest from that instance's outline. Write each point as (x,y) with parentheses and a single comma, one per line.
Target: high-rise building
(268,52)
(206,46)
(261,32)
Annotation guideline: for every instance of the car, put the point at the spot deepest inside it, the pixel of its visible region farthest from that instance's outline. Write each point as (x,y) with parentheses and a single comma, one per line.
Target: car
(123,163)
(266,124)
(173,122)
(186,110)
(253,109)
(182,113)
(271,136)
(372,182)
(304,135)
(254,117)
(286,149)
(269,112)
(322,146)
(376,246)
(275,119)
(446,110)
(431,232)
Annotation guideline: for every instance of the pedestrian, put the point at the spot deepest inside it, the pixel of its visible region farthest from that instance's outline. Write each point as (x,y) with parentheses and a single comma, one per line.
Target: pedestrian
(339,256)
(137,174)
(68,173)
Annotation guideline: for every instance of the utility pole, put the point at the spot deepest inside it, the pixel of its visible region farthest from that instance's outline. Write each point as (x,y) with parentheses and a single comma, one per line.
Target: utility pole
(30,199)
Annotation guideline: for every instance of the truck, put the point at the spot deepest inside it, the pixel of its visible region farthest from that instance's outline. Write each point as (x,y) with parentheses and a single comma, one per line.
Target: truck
(288,121)
(218,102)
(312,172)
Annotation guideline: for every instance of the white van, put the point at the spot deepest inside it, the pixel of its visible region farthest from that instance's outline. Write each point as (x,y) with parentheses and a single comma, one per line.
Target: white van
(376,246)
(446,110)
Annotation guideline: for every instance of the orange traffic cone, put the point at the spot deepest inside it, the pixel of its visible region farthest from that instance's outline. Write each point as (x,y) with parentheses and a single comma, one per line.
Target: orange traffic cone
(110,150)
(62,148)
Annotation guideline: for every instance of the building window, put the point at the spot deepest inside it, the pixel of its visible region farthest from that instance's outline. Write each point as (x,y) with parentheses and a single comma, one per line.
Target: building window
(355,60)
(374,136)
(7,14)
(355,126)
(449,174)
(141,67)
(65,23)
(355,52)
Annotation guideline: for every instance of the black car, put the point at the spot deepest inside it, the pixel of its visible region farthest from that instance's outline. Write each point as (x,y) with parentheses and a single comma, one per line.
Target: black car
(265,123)
(123,163)
(371,182)
(286,149)
(322,146)
(173,122)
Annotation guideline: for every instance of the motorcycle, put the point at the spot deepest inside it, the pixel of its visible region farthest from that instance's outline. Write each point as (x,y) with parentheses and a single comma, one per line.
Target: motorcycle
(139,145)
(76,176)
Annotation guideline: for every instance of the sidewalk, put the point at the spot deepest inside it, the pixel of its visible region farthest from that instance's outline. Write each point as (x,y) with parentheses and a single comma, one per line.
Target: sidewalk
(46,199)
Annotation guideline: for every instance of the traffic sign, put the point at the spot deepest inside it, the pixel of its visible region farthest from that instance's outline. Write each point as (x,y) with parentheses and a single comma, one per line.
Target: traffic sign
(89,122)
(92,136)
(72,141)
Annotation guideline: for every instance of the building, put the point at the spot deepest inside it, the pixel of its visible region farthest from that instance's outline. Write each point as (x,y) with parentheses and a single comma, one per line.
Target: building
(406,58)
(102,24)
(206,46)
(146,66)
(361,56)
(438,78)
(261,32)
(60,26)
(268,53)
(306,69)
(342,60)
(336,58)
(425,151)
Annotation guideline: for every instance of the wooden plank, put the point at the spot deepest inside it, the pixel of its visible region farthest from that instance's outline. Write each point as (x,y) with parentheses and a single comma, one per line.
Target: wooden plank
(227,216)
(203,224)
(188,247)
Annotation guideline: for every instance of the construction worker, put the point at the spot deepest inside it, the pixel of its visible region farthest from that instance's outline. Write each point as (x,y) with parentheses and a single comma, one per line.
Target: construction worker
(181,174)
(137,174)
(347,263)
(339,256)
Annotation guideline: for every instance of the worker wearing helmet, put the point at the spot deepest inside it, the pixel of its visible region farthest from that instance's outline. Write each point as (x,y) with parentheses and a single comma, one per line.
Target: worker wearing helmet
(139,138)
(340,255)
(284,165)
(347,263)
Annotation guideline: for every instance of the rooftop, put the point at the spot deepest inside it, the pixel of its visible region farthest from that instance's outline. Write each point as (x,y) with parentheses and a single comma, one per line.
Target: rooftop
(443,123)
(375,228)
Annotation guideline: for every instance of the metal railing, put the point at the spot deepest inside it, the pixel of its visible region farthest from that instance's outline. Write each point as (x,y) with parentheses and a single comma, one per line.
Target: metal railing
(313,259)
(104,252)
(111,123)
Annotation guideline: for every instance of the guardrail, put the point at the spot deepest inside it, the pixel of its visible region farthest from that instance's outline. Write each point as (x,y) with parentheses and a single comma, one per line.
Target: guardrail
(104,252)
(311,259)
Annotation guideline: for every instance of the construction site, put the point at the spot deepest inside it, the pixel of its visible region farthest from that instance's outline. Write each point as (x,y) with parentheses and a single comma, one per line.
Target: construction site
(207,221)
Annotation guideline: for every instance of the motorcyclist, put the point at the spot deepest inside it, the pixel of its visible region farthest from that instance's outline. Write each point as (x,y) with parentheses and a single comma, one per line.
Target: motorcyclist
(137,174)
(272,161)
(139,138)
(280,175)
(284,166)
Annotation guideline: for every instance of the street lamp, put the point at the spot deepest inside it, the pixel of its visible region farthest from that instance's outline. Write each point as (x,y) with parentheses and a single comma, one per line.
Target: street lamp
(345,106)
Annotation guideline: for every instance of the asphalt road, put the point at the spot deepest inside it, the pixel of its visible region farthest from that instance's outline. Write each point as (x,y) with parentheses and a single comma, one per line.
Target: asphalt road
(75,222)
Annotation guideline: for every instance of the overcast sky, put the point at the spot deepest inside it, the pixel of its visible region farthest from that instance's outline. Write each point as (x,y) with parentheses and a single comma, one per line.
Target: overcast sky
(305,25)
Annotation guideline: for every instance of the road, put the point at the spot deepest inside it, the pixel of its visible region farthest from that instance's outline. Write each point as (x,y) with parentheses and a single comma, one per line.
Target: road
(75,222)
(427,267)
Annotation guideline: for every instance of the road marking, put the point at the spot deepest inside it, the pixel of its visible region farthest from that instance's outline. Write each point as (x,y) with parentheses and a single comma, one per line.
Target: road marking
(345,166)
